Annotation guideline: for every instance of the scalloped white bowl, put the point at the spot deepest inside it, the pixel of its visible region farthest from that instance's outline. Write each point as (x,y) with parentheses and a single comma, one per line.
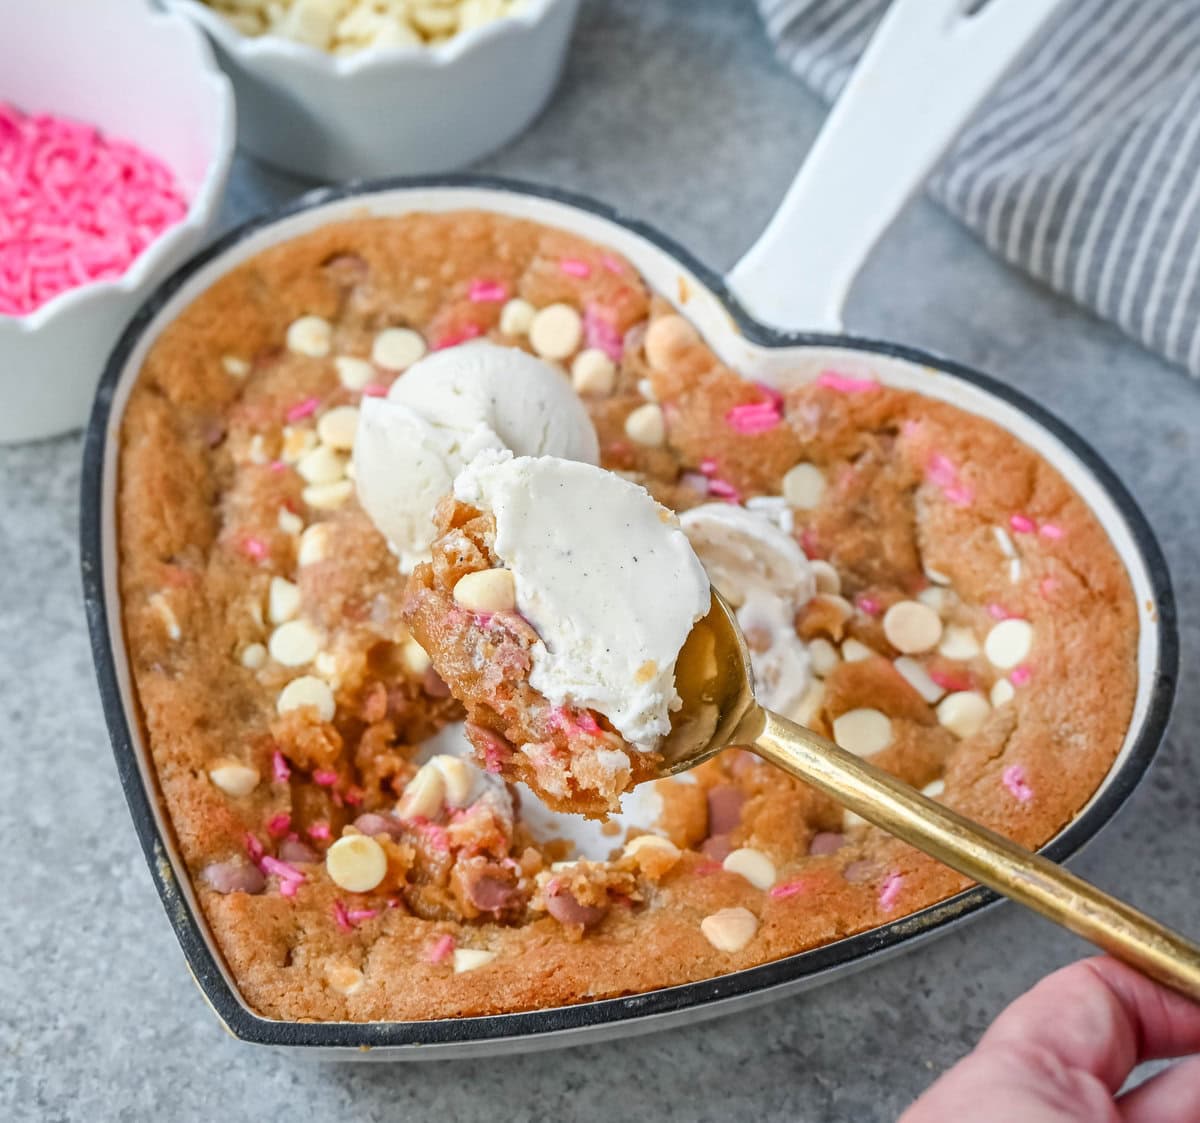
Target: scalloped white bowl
(391,110)
(139,75)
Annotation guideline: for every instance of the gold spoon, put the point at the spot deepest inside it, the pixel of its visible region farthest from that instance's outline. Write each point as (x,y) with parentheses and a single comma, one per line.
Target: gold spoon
(719,710)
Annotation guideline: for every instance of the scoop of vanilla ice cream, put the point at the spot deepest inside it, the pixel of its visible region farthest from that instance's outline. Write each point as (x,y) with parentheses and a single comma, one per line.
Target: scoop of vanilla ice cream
(443,411)
(606,577)
(765,576)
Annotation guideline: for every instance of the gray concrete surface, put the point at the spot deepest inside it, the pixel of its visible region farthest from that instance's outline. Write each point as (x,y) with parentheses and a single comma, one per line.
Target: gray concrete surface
(676,112)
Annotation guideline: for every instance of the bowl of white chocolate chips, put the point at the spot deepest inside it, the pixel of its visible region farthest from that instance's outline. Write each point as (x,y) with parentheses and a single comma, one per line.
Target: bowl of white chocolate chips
(341,89)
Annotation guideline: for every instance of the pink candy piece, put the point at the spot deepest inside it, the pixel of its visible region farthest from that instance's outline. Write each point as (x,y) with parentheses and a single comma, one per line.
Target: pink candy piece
(612,264)
(279,767)
(998,612)
(599,332)
(254,848)
(324,778)
(254,548)
(844,384)
(708,466)
(341,917)
(869,605)
(280,824)
(943,473)
(948,681)
(889,891)
(486,292)
(289,888)
(1020,675)
(320,831)
(754,417)
(1022,524)
(303,409)
(441,948)
(356,916)
(277,466)
(75,207)
(374,390)
(723,489)
(282,870)
(573,267)
(787,889)
(1050,530)
(1013,778)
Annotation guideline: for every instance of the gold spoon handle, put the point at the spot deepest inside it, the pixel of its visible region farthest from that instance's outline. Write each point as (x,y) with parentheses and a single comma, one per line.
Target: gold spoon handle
(981,854)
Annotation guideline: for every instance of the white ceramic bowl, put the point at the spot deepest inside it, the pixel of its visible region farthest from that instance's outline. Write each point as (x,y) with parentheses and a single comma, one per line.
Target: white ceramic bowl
(391,110)
(142,76)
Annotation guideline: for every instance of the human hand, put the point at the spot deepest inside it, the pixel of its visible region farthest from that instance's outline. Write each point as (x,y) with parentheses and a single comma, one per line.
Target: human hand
(1060,1053)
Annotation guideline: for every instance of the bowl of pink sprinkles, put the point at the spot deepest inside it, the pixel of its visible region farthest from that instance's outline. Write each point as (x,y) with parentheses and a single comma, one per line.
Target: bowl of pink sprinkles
(116,136)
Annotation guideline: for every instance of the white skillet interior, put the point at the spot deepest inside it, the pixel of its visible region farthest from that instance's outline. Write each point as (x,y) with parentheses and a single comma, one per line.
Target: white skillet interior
(678,283)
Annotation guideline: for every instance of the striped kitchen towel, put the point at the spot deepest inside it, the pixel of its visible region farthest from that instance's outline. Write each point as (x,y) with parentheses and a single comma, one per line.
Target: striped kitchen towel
(1084,165)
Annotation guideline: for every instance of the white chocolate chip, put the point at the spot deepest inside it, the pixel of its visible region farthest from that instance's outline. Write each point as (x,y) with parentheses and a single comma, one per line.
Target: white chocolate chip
(337,427)
(356,863)
(912,627)
(863,732)
(297,441)
(665,338)
(853,651)
(468,959)
(307,690)
(937,597)
(1004,541)
(1002,692)
(1008,643)
(234,778)
(295,643)
(958,642)
(257,452)
(161,607)
(516,317)
(647,844)
(353,373)
(917,677)
(311,336)
(314,545)
(593,373)
(1014,571)
(806,711)
(323,465)
(414,657)
(751,864)
(235,367)
(839,603)
(803,486)
(852,821)
(556,331)
(345,978)
(326,665)
(486,590)
(936,576)
(423,794)
(283,600)
(327,497)
(729,929)
(963,712)
(646,426)
(646,388)
(823,656)
(289,521)
(827,578)
(253,656)
(397,348)
(458,778)
(934,789)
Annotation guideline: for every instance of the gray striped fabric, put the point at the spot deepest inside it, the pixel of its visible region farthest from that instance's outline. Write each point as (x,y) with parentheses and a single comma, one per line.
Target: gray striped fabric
(1083,167)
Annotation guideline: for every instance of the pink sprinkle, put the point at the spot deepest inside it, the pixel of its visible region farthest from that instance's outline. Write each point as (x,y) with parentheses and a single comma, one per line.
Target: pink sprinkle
(359,915)
(254,848)
(279,768)
(889,891)
(1020,675)
(341,917)
(573,267)
(302,409)
(949,681)
(280,824)
(486,292)
(1014,780)
(723,489)
(1047,586)
(869,605)
(319,831)
(440,949)
(844,384)
(941,470)
(285,871)
(374,390)
(325,778)
(998,612)
(1022,524)
(277,466)
(75,207)
(599,332)
(960,495)
(461,335)
(289,888)
(612,264)
(1050,530)
(393,902)
(754,417)
(708,466)
(787,889)
(353,796)
(255,548)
